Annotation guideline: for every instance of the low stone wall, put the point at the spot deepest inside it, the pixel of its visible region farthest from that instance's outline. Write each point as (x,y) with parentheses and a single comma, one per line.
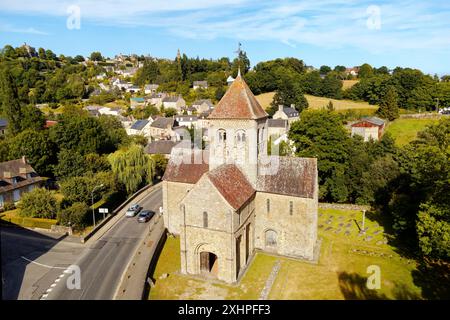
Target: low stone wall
(343,206)
(427,115)
(61,229)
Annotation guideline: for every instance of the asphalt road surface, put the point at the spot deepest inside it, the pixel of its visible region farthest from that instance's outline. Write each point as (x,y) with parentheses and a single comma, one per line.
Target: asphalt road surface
(101,263)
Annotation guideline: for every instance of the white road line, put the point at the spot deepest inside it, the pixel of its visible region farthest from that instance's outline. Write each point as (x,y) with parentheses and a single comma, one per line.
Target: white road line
(42,265)
(61,275)
(44,296)
(57,280)
(53,285)
(49,290)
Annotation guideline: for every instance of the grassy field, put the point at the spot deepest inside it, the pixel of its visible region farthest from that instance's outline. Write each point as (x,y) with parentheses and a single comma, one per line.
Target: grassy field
(405,130)
(340,274)
(348,83)
(320,102)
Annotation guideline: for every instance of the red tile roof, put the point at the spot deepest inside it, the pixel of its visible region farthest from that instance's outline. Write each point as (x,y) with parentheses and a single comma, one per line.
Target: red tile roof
(179,171)
(232,185)
(238,103)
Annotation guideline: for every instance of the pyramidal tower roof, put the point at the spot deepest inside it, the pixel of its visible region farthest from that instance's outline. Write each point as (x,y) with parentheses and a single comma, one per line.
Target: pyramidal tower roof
(238,103)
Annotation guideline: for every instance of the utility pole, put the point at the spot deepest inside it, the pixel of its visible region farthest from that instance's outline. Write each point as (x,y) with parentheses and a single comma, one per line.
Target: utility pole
(92,198)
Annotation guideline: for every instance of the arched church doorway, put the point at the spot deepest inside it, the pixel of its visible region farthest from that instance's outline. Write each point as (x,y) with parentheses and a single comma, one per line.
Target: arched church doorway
(209,263)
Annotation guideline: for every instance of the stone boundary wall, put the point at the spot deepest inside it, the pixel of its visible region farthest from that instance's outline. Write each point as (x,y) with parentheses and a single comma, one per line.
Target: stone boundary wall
(427,115)
(343,206)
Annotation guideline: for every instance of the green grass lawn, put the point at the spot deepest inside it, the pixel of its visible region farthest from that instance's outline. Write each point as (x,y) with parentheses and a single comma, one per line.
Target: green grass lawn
(405,130)
(341,272)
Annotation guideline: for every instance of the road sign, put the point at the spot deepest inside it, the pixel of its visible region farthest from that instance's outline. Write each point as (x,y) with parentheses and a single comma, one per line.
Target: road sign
(103,210)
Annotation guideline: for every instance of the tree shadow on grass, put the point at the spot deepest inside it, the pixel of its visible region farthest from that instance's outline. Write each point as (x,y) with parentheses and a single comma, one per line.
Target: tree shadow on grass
(434,279)
(353,287)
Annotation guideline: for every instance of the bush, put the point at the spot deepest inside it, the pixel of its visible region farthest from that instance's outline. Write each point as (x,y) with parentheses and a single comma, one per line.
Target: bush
(74,216)
(38,203)
(9,206)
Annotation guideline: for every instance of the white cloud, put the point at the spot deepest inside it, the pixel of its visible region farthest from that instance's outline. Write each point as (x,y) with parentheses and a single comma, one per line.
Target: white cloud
(29,30)
(405,24)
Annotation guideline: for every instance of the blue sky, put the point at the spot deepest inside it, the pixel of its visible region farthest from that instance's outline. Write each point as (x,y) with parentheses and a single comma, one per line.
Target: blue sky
(345,32)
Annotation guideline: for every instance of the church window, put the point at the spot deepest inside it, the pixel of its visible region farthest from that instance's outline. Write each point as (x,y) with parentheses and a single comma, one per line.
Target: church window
(291,208)
(222,134)
(268,205)
(205,219)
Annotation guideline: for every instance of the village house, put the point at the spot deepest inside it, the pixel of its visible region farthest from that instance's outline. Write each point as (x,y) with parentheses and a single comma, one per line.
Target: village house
(156,99)
(176,103)
(137,102)
(203,105)
(3,126)
(150,88)
(277,127)
(140,127)
(232,200)
(352,71)
(122,85)
(202,119)
(162,129)
(187,120)
(16,178)
(163,147)
(230,80)
(369,128)
(200,85)
(287,113)
(115,111)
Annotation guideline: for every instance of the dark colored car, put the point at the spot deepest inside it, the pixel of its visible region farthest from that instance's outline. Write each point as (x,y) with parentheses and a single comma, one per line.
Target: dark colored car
(145,215)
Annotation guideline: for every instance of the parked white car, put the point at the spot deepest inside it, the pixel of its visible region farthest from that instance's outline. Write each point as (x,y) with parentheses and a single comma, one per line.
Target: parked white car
(133,210)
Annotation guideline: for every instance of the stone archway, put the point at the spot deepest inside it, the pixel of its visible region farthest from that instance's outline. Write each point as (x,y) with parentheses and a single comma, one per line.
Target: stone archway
(209,264)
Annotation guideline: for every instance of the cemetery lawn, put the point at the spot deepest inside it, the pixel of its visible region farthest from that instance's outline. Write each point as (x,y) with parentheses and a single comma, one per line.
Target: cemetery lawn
(341,272)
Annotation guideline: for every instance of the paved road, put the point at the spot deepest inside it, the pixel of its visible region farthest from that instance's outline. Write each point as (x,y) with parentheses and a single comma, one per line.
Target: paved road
(104,261)
(33,261)
(23,279)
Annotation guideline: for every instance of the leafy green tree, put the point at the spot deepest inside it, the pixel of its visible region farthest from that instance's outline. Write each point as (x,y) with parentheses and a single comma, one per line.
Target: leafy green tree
(70,164)
(242,62)
(160,165)
(170,112)
(37,147)
(132,167)
(38,203)
(389,105)
(289,93)
(320,134)
(365,71)
(74,216)
(331,86)
(96,56)
(324,70)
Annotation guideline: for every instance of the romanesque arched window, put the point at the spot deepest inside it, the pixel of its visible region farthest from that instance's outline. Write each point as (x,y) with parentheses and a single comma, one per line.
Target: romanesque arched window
(221,135)
(240,137)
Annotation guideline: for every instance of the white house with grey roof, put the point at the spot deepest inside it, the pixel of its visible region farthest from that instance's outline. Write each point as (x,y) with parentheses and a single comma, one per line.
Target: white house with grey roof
(177,103)
(287,113)
(140,127)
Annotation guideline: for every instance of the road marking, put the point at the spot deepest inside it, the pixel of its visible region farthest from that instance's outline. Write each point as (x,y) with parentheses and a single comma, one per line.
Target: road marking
(42,265)
(53,285)
(61,275)
(57,280)
(49,290)
(44,296)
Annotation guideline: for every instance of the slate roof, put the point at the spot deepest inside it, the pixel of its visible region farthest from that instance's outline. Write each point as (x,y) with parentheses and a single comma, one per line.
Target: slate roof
(232,185)
(17,168)
(3,122)
(292,176)
(277,123)
(160,147)
(238,103)
(162,123)
(139,124)
(201,101)
(290,112)
(171,99)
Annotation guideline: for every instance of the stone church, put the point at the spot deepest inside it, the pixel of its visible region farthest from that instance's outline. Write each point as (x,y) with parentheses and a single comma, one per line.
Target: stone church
(232,199)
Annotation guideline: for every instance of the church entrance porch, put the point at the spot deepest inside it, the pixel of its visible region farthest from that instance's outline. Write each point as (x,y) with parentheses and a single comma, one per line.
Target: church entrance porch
(209,264)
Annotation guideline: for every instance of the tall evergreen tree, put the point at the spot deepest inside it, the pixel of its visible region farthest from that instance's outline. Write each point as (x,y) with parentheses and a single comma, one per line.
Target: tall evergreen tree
(389,105)
(10,102)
